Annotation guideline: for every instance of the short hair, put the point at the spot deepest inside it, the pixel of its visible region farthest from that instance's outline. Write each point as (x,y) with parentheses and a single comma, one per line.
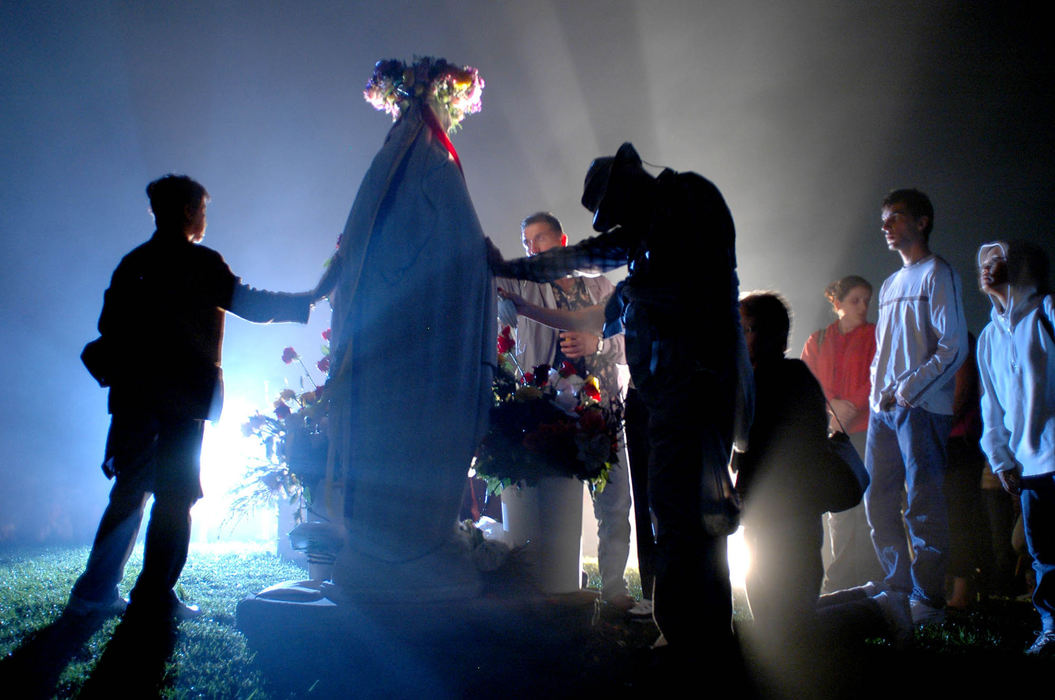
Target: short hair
(772,318)
(837,290)
(542,217)
(1027,263)
(917,203)
(171,195)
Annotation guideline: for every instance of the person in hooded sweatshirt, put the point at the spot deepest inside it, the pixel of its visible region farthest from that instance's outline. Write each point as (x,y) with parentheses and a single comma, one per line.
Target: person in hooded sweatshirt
(1016,365)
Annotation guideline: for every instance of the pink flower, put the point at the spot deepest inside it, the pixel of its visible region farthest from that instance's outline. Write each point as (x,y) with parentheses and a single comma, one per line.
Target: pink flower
(326,334)
(324,364)
(288,355)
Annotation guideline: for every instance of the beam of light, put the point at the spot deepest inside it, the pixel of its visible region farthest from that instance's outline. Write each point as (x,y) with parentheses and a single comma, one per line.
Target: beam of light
(225,454)
(739,558)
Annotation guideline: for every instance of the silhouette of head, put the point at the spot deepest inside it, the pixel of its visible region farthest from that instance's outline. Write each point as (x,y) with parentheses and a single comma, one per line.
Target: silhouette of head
(175,200)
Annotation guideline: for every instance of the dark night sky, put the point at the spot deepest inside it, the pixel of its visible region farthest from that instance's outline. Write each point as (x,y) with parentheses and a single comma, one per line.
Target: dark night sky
(804,114)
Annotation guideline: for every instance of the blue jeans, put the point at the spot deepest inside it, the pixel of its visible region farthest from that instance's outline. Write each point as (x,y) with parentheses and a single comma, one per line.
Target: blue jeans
(905,453)
(1038,516)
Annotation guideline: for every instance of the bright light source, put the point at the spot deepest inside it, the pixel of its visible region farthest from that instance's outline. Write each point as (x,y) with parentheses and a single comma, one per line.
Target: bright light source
(739,558)
(225,454)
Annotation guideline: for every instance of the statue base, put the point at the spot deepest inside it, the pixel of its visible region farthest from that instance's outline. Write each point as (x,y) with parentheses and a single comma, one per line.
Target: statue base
(520,640)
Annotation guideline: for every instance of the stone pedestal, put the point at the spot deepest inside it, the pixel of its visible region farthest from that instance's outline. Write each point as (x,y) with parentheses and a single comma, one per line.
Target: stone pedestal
(476,648)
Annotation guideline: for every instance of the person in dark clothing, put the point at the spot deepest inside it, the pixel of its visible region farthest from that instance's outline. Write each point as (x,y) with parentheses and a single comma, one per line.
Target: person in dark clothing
(779,476)
(686,357)
(161,334)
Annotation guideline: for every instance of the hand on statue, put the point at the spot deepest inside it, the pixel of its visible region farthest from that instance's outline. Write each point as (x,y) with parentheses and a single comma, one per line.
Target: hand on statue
(518,301)
(575,344)
(494,255)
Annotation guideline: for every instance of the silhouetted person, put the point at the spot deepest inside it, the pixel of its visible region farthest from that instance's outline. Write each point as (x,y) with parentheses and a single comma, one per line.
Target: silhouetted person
(161,333)
(678,307)
(780,477)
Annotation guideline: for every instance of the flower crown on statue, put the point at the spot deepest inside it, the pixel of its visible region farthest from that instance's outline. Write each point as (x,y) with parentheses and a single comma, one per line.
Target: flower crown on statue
(456,89)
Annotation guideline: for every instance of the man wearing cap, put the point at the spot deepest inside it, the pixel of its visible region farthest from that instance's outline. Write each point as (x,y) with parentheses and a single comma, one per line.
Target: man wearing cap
(686,357)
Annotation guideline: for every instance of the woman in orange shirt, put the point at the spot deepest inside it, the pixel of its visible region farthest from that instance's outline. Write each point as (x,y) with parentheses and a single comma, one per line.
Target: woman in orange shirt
(840,356)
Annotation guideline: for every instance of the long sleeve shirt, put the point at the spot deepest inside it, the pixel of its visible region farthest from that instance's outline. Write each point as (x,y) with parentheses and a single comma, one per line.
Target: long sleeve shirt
(841,364)
(921,336)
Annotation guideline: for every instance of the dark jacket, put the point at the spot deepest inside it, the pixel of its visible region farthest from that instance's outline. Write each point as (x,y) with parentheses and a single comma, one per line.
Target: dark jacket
(162,325)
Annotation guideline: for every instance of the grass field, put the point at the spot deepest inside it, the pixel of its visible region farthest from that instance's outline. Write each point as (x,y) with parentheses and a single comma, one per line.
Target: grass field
(209,657)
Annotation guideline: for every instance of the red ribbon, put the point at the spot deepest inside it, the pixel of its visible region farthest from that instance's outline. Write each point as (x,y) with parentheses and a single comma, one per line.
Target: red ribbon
(441,134)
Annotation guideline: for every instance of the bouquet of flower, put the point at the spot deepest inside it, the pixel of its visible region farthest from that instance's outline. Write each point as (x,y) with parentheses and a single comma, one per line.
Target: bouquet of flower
(452,88)
(546,422)
(295,444)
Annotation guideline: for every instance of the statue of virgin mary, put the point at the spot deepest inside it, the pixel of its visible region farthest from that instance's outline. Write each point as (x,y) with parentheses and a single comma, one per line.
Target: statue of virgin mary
(414,344)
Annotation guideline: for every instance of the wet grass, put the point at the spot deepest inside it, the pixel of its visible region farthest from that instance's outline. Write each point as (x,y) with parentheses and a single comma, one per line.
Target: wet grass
(209,657)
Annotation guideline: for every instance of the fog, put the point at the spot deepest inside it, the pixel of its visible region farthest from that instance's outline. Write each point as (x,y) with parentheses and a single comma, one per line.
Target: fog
(803,114)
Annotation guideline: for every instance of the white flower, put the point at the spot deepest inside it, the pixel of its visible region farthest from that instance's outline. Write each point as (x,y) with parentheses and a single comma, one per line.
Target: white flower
(566,401)
(570,384)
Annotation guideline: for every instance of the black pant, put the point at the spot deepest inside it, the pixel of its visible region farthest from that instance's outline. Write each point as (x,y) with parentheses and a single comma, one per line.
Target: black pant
(690,433)
(150,454)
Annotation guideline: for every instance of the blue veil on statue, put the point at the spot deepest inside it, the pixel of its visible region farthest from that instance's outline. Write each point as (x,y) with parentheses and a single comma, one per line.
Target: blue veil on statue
(414,343)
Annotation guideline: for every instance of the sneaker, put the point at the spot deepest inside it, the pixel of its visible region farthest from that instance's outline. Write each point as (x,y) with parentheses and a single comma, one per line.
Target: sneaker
(642,610)
(82,607)
(924,614)
(168,606)
(182,611)
(897,614)
(1044,645)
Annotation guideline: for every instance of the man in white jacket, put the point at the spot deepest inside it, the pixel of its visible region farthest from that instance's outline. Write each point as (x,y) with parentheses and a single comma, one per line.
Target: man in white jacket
(1016,365)
(921,340)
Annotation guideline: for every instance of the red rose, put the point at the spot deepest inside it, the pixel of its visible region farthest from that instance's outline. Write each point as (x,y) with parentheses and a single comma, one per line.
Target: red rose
(288,355)
(505,341)
(282,411)
(592,421)
(318,391)
(324,364)
(326,335)
(529,378)
(567,369)
(591,391)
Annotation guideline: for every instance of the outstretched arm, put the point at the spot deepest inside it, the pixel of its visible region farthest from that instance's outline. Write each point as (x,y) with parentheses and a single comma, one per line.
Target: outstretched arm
(590,257)
(588,320)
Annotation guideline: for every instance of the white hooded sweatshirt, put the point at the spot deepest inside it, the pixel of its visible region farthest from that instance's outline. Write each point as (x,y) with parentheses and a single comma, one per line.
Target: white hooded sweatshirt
(1016,365)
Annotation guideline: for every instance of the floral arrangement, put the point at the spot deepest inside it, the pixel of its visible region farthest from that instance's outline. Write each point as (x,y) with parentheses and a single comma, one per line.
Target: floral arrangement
(455,89)
(546,422)
(294,436)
